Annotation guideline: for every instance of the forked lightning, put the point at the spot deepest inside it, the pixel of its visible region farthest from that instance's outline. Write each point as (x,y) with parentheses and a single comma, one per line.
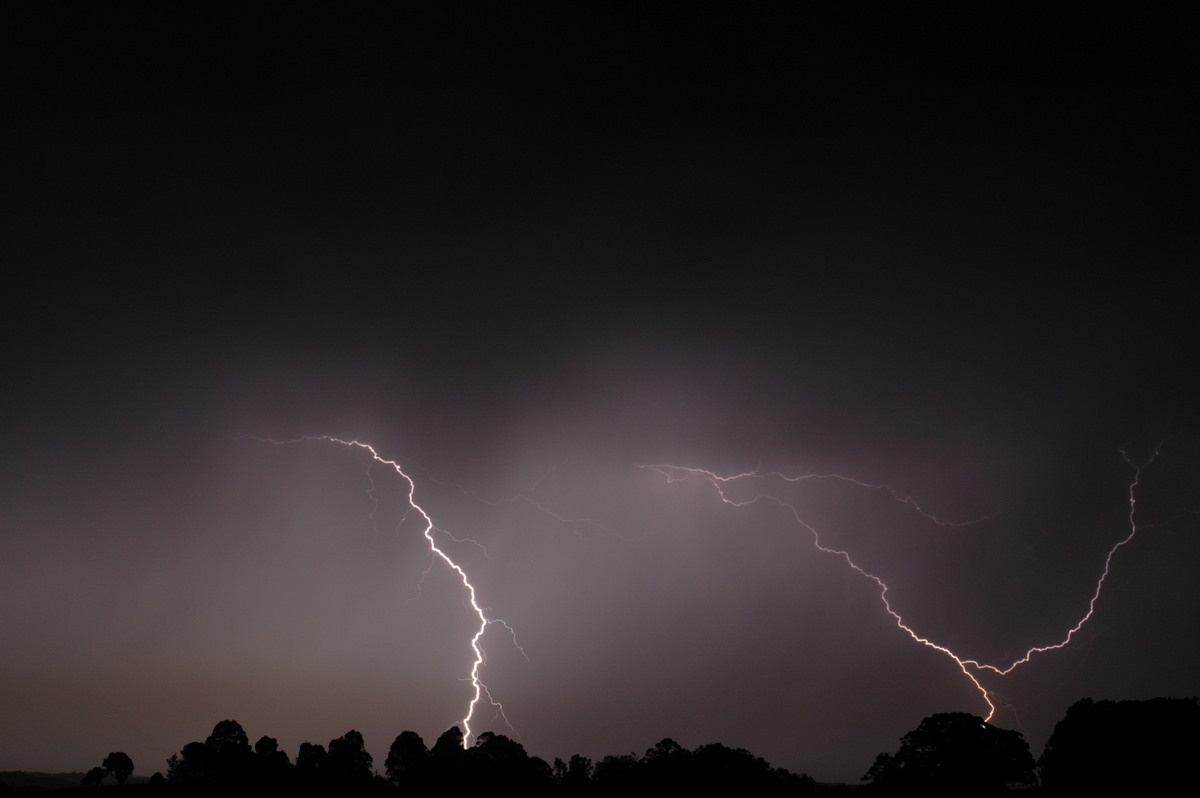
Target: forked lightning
(970,667)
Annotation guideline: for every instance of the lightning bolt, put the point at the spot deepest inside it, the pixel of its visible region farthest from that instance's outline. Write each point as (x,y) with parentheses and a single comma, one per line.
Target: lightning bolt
(1091,610)
(971,668)
(479,691)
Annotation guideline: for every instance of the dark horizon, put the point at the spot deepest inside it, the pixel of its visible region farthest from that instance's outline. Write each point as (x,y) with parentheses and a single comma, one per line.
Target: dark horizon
(1122,747)
(527,257)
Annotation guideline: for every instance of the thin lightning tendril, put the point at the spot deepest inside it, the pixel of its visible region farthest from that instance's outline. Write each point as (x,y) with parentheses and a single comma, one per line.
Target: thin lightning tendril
(479,691)
(525,495)
(472,541)
(969,667)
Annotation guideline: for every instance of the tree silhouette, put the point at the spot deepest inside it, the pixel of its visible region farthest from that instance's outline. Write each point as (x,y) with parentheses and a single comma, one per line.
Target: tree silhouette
(267,749)
(1134,747)
(310,760)
(618,774)
(93,777)
(448,765)
(496,761)
(719,770)
(666,768)
(228,739)
(271,766)
(348,763)
(954,753)
(230,752)
(192,765)
(224,759)
(119,765)
(406,760)
(574,775)
(449,746)
(225,764)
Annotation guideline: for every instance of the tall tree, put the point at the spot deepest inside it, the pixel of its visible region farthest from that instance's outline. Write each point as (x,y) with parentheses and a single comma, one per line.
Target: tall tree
(230,753)
(310,759)
(406,759)
(954,753)
(574,775)
(447,762)
(272,770)
(348,761)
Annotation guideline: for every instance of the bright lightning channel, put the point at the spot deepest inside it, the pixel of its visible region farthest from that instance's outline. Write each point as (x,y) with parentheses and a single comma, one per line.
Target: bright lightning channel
(479,690)
(970,668)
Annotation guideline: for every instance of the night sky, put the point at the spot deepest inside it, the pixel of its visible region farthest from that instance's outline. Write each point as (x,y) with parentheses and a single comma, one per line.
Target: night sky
(526,255)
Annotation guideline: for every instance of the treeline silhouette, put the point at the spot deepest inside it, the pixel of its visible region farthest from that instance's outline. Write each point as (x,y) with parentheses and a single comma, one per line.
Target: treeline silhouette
(1099,748)
(226,764)
(1119,748)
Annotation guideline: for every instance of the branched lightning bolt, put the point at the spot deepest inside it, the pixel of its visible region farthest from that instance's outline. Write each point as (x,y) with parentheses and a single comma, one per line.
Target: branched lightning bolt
(969,667)
(472,541)
(479,690)
(1091,610)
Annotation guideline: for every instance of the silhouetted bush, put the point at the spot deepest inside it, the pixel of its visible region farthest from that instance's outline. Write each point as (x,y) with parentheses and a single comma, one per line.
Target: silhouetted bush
(93,777)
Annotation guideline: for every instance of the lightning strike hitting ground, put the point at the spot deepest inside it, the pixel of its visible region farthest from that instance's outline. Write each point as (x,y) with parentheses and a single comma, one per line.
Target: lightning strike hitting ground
(969,667)
(480,690)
